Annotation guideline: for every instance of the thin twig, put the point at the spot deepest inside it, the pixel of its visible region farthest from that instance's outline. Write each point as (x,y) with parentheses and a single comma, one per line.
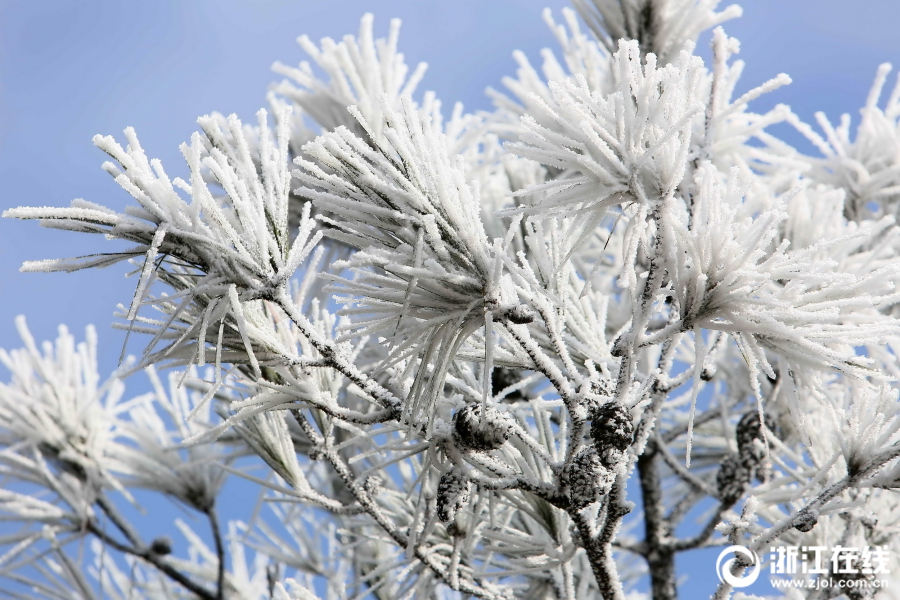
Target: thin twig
(220,552)
(154,559)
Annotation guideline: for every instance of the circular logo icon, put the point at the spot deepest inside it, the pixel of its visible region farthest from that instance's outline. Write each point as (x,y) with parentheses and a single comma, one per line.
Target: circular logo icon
(723,567)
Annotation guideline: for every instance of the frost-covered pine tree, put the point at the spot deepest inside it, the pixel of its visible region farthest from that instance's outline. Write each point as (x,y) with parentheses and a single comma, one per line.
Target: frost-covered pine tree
(496,355)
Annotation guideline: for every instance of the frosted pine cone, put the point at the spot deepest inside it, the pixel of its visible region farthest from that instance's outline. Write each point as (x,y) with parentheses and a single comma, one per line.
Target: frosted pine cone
(806,520)
(519,314)
(611,427)
(478,430)
(732,480)
(611,457)
(161,546)
(601,393)
(589,480)
(456,530)
(453,493)
(751,446)
(748,429)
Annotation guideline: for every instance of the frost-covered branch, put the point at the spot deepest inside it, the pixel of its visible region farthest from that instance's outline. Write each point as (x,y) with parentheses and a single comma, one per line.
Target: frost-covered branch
(447,349)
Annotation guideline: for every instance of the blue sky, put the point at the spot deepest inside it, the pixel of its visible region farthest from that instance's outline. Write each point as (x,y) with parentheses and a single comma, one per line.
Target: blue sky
(70,69)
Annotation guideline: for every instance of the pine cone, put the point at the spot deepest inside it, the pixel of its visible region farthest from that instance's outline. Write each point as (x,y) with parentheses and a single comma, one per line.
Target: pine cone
(519,314)
(732,480)
(588,479)
(161,546)
(611,457)
(611,427)
(476,432)
(453,493)
(748,429)
(455,530)
(751,447)
(805,521)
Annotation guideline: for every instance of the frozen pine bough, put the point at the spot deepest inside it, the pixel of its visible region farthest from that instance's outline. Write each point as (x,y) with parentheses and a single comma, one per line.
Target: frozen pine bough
(500,355)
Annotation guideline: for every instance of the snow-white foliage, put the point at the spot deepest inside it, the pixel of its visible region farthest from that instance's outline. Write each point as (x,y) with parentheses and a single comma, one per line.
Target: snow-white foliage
(726,277)
(152,459)
(627,147)
(453,351)
(866,167)
(57,423)
(360,71)
(582,55)
(426,275)
(660,26)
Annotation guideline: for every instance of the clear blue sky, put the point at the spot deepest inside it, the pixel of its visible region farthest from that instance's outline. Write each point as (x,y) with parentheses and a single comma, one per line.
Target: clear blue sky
(70,69)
